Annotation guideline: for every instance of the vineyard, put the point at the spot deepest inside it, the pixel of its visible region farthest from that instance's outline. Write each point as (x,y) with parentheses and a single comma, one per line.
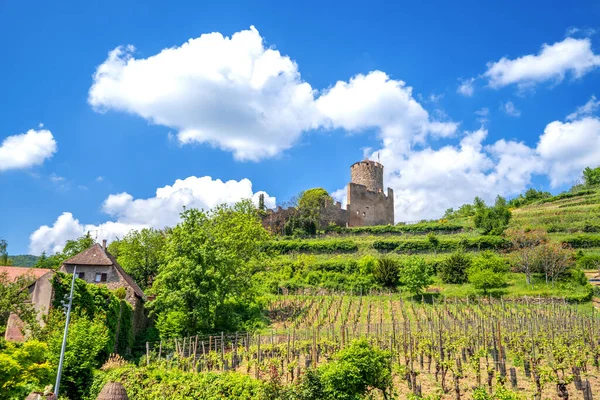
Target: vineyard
(447,349)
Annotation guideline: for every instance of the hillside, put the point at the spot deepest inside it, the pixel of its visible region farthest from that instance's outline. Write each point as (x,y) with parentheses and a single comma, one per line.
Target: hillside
(341,260)
(23,260)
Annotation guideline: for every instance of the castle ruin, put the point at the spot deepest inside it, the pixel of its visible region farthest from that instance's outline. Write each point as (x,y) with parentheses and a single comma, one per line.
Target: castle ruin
(367,203)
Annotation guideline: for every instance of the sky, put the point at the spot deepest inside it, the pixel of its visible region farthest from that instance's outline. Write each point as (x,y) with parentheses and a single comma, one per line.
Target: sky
(117,114)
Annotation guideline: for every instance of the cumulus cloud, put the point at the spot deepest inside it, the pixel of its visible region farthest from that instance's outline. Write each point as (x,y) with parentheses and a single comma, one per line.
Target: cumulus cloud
(241,96)
(589,108)
(553,62)
(159,211)
(466,87)
(510,109)
(569,147)
(26,150)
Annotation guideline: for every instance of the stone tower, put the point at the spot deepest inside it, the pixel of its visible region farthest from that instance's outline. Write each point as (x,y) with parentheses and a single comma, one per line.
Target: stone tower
(367,203)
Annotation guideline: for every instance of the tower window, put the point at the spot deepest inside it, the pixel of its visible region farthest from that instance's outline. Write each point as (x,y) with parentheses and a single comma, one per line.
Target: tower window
(364,214)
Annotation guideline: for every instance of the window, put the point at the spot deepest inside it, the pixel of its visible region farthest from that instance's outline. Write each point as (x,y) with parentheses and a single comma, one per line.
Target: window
(81,275)
(100,277)
(364,214)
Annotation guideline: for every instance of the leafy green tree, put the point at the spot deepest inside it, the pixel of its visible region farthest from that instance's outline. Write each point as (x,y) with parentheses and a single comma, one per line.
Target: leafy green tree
(416,275)
(491,220)
(15,298)
(356,371)
(591,176)
(207,269)
(86,341)
(453,269)
(24,368)
(386,272)
(140,254)
(312,200)
(488,271)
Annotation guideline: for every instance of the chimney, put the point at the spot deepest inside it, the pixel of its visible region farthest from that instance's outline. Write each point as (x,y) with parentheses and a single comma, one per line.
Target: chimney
(104,244)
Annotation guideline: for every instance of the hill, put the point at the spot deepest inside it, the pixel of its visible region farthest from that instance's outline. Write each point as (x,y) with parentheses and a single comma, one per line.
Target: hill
(23,260)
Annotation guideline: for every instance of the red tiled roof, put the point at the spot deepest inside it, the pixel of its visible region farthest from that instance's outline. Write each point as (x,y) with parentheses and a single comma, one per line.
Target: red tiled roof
(15,272)
(95,255)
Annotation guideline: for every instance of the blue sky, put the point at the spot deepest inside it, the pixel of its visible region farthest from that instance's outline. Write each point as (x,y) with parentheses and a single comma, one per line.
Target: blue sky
(458,99)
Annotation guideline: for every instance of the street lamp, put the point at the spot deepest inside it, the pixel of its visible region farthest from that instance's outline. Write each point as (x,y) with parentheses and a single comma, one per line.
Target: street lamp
(64,341)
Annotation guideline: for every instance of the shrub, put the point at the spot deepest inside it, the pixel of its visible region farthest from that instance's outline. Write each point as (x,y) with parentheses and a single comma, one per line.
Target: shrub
(386,271)
(416,275)
(305,246)
(23,368)
(590,261)
(580,241)
(454,268)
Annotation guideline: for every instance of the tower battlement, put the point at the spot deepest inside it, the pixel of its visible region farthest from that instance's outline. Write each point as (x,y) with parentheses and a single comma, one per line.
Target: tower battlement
(367,173)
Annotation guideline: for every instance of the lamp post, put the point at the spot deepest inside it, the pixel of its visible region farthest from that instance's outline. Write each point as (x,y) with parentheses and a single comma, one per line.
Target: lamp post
(64,341)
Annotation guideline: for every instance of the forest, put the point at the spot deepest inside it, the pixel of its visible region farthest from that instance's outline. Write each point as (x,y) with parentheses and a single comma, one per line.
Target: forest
(491,301)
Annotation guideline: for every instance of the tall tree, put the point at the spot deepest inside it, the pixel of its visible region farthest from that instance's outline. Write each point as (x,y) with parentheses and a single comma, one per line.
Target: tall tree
(140,254)
(591,176)
(3,252)
(207,269)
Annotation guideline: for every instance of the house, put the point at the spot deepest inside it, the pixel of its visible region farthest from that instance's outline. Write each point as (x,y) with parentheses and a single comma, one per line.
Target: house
(96,265)
(40,292)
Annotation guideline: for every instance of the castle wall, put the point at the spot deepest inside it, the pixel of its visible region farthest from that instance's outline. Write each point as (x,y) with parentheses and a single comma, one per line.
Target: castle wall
(366,207)
(333,213)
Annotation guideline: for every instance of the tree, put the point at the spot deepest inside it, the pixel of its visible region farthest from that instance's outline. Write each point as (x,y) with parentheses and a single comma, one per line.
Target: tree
(355,371)
(72,248)
(140,254)
(434,240)
(524,243)
(3,253)
(488,271)
(416,275)
(491,220)
(86,340)
(591,176)
(453,269)
(13,298)
(553,259)
(207,268)
(386,272)
(261,202)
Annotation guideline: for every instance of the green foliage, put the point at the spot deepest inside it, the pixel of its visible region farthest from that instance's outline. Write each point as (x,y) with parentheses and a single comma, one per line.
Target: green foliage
(589,261)
(591,177)
(355,371)
(3,253)
(158,382)
(15,298)
(23,368)
(444,244)
(501,393)
(315,246)
(97,302)
(422,227)
(582,241)
(386,271)
(491,220)
(466,210)
(312,200)
(453,269)
(140,254)
(531,196)
(207,267)
(488,271)
(86,341)
(416,275)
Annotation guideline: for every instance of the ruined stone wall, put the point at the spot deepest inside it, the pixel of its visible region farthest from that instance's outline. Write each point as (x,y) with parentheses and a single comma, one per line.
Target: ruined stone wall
(333,213)
(369,174)
(367,207)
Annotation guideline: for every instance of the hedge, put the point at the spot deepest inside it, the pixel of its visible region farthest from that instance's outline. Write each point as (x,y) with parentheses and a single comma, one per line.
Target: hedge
(412,246)
(423,227)
(580,241)
(317,246)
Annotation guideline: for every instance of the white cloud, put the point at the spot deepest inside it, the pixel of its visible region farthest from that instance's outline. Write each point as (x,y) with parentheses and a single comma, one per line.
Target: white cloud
(159,211)
(587,109)
(569,147)
(553,62)
(510,109)
(466,87)
(233,93)
(483,115)
(26,150)
(241,96)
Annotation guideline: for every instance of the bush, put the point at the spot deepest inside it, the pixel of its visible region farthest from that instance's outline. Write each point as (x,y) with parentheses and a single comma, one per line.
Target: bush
(454,268)
(582,241)
(23,368)
(386,272)
(590,261)
(315,246)
(355,371)
(416,275)
(444,244)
